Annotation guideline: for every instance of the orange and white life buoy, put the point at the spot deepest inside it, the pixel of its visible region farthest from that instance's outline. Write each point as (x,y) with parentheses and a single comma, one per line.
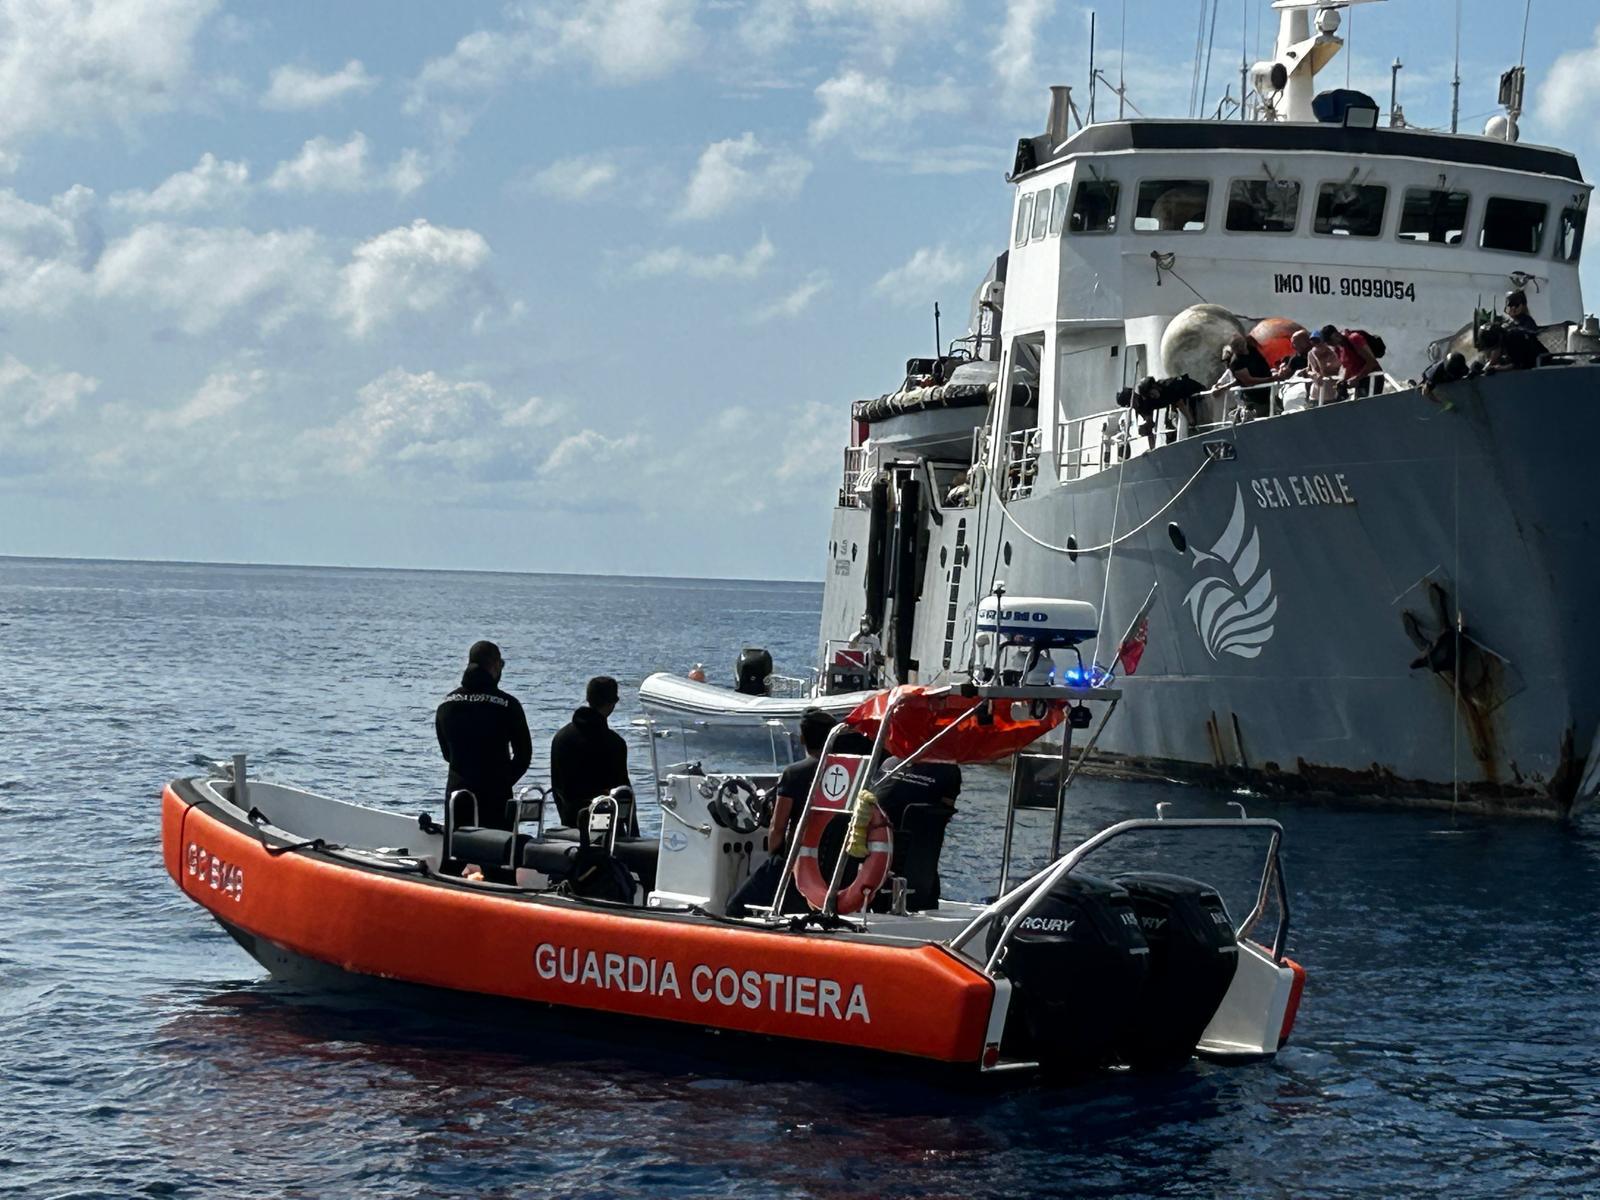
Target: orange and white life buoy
(870,875)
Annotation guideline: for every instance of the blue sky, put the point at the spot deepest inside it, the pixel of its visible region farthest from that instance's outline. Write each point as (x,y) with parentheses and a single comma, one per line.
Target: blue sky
(581,286)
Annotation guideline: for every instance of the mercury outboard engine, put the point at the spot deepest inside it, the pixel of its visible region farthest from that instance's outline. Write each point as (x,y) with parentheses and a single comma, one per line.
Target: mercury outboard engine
(1076,964)
(1193,955)
(751,671)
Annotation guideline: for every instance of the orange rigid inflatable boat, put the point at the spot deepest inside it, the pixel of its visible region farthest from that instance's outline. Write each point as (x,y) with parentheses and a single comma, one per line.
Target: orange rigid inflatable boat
(1063,970)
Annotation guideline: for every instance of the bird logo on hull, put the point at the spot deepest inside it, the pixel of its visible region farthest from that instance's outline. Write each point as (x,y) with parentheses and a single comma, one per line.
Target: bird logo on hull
(1233,605)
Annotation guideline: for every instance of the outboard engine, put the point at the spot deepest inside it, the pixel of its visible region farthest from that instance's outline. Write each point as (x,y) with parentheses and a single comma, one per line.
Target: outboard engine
(1193,955)
(1077,965)
(751,670)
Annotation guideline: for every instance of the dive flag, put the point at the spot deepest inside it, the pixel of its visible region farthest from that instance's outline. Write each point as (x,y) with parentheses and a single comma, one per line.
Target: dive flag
(1133,643)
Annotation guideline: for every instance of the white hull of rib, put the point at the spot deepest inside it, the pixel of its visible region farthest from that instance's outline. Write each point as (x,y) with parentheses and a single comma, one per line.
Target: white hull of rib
(664,694)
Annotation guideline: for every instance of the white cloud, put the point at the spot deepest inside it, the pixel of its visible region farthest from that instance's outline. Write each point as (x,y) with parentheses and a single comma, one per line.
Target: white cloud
(71,66)
(921,277)
(46,251)
(200,278)
(295,88)
(575,178)
(210,183)
(625,41)
(221,394)
(31,399)
(1012,56)
(884,27)
(426,426)
(324,165)
(1571,88)
(620,41)
(581,452)
(413,269)
(740,171)
(767,26)
(862,108)
(792,304)
(675,260)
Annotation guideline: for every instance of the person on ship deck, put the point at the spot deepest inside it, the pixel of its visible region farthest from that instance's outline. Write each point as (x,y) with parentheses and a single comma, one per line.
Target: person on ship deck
(483,735)
(1359,368)
(588,758)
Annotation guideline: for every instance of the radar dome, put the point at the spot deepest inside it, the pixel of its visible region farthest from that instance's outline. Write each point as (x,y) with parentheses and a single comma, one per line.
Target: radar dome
(1501,127)
(1193,342)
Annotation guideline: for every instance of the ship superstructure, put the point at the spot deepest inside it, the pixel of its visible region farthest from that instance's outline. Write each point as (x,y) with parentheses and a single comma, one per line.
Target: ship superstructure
(1379,595)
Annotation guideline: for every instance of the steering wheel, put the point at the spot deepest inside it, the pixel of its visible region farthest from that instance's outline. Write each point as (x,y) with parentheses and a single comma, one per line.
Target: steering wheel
(733,806)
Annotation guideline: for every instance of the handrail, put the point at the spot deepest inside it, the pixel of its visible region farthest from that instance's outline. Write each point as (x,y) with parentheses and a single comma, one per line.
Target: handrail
(1032,892)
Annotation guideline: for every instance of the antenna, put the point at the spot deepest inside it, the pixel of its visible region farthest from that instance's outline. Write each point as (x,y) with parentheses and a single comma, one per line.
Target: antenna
(1091,66)
(1244,56)
(1394,91)
(1122,61)
(1455,84)
(938,338)
(1211,41)
(1522,55)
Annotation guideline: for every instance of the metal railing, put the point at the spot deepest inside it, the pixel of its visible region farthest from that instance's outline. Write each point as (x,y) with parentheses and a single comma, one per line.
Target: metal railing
(1021,463)
(1104,439)
(1028,896)
(859,469)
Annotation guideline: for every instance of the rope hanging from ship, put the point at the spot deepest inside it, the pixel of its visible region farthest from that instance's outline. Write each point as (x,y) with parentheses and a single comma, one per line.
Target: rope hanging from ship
(1116,538)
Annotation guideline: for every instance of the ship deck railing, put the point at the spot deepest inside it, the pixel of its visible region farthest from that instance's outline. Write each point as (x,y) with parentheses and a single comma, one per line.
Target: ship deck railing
(1103,439)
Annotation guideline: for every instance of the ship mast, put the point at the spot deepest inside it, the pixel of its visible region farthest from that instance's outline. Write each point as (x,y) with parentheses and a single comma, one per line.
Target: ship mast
(1287,81)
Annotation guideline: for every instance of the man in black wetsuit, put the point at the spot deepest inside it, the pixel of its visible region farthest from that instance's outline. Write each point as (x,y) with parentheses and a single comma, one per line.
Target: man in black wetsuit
(483,735)
(587,757)
(919,802)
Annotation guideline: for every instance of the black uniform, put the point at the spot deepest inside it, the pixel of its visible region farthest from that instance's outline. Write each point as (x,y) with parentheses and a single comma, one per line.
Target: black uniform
(587,759)
(483,735)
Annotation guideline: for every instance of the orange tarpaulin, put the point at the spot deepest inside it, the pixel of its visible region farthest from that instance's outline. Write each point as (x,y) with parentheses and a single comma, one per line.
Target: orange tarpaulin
(918,716)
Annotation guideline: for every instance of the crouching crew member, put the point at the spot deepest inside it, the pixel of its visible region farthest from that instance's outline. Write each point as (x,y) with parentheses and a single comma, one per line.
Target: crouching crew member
(483,735)
(588,758)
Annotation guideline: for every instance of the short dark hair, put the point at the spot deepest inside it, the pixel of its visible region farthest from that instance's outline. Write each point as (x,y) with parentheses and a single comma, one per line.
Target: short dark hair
(602,690)
(1330,333)
(815,725)
(1518,297)
(482,654)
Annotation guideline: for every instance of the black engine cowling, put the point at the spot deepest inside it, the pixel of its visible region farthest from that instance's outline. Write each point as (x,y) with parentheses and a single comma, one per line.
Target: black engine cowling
(1193,956)
(1077,965)
(751,670)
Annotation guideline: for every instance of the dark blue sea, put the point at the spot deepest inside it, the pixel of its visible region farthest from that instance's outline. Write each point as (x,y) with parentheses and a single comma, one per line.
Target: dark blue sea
(1447,1044)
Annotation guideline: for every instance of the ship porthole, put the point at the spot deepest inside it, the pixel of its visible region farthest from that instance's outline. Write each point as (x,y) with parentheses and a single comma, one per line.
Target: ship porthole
(1006,552)
(944,555)
(1179,542)
(1072,548)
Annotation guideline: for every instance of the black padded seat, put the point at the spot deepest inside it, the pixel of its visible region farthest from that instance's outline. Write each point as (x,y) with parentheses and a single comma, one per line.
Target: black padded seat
(639,854)
(484,847)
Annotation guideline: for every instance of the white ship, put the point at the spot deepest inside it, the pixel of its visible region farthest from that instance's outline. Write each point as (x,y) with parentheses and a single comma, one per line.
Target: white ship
(1382,596)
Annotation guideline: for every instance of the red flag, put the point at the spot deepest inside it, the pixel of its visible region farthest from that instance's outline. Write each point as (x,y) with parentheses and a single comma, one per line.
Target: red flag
(1134,641)
(1133,649)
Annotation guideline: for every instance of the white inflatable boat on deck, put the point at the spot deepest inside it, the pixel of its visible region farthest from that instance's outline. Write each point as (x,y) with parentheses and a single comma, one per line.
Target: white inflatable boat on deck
(667,695)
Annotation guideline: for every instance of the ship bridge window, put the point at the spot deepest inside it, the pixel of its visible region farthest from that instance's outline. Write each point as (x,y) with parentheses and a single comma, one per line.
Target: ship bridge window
(1570,243)
(1094,206)
(1514,225)
(1024,219)
(1263,205)
(1171,205)
(1350,209)
(1041,214)
(1058,208)
(1433,215)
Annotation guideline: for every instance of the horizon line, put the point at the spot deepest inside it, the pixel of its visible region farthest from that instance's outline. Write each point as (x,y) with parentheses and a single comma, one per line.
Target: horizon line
(202,562)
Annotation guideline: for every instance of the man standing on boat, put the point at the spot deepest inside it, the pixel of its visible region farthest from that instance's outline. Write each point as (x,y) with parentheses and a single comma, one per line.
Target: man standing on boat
(587,757)
(483,735)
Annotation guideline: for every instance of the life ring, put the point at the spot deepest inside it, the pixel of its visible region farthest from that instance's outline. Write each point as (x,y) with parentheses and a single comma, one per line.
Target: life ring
(870,875)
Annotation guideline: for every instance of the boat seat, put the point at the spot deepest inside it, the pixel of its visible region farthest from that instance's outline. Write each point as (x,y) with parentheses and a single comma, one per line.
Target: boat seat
(638,854)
